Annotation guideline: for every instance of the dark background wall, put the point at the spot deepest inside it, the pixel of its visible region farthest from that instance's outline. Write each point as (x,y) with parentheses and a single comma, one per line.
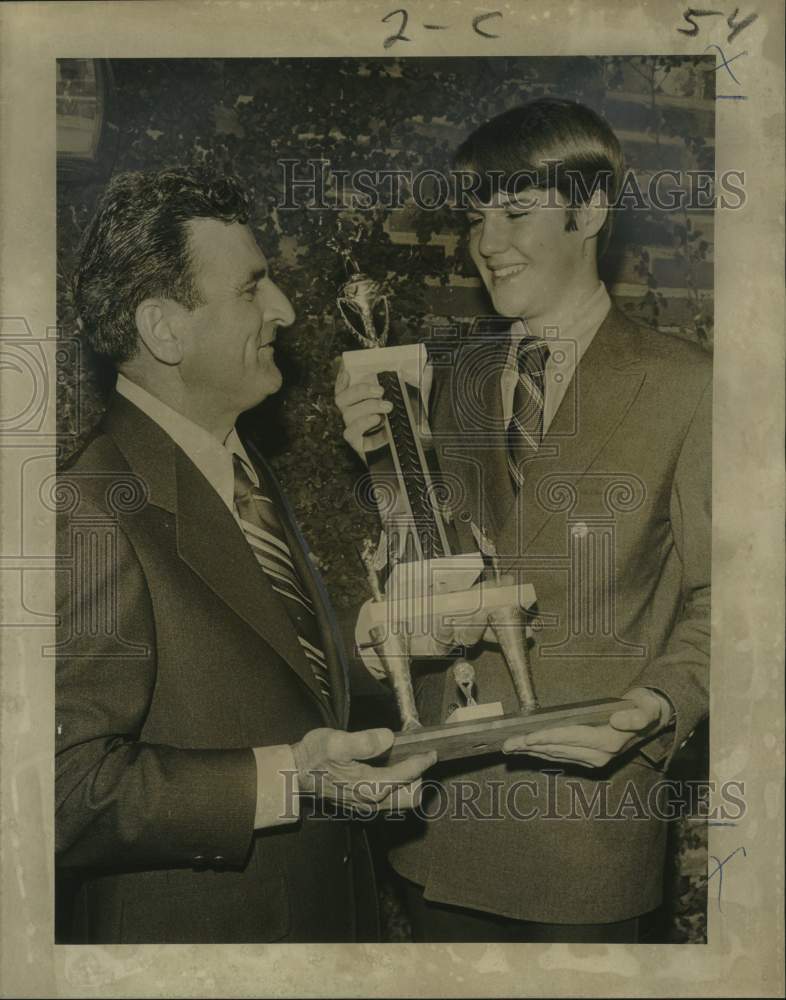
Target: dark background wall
(246,115)
(409,114)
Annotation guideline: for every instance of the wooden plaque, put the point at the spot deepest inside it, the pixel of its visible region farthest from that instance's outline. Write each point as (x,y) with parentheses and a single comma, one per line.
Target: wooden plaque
(453,740)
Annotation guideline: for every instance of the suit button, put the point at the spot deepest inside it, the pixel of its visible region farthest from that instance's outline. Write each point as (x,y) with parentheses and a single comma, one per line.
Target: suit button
(345,859)
(199,861)
(218,859)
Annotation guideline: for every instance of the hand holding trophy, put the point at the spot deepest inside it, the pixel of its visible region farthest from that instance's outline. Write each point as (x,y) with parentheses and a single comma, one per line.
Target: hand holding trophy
(423,580)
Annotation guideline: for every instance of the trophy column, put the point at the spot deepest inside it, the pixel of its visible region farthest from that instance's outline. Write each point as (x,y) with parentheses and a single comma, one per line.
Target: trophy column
(391,648)
(509,624)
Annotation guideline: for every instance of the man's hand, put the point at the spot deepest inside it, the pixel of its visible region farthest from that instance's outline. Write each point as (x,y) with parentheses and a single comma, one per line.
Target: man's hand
(362,408)
(595,746)
(329,766)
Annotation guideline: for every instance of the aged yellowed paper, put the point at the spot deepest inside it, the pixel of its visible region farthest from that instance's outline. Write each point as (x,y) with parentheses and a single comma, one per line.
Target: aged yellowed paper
(742,282)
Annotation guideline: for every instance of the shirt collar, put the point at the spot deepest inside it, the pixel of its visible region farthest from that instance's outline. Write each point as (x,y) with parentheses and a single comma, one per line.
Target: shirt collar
(210,456)
(581,328)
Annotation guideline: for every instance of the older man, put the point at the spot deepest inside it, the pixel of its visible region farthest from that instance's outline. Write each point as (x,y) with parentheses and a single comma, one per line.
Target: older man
(583,441)
(201,687)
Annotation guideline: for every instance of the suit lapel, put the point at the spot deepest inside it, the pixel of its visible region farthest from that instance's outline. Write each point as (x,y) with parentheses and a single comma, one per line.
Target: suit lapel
(209,540)
(150,452)
(601,392)
(223,559)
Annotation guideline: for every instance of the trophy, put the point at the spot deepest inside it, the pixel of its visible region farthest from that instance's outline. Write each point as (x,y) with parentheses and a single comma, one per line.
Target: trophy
(420,571)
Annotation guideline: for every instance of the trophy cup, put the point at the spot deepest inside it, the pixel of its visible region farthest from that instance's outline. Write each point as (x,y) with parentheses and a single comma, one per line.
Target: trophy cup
(420,572)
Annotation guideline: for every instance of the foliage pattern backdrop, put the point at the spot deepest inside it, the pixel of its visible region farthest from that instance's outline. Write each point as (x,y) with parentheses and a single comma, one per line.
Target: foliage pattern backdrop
(245,116)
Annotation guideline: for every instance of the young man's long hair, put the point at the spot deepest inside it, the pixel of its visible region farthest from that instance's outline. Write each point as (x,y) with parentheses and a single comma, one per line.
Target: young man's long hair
(548,143)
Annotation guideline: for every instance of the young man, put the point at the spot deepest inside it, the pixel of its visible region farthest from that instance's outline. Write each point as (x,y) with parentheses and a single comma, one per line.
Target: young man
(201,688)
(583,442)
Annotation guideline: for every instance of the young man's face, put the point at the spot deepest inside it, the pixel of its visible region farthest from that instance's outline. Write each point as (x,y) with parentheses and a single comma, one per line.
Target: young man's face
(527,260)
(228,341)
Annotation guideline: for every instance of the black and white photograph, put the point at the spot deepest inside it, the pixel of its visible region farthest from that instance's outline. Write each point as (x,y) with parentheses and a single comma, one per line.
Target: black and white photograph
(370,480)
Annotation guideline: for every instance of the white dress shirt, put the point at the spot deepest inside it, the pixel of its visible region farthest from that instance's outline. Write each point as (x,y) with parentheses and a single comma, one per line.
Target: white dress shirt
(567,345)
(277,798)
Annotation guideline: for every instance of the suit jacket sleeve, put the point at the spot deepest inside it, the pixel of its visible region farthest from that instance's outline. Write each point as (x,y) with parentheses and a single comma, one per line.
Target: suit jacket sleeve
(120,800)
(682,671)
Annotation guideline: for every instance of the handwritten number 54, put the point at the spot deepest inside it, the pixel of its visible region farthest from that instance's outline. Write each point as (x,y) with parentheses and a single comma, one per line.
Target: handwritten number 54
(736,26)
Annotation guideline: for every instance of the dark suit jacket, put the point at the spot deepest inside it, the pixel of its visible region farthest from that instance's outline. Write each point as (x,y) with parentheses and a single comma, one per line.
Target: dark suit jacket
(176,658)
(612,527)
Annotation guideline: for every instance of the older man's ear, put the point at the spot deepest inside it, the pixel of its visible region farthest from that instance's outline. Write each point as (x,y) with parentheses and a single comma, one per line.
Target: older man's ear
(157,331)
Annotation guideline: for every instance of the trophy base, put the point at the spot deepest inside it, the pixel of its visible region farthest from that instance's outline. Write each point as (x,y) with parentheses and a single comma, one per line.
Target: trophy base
(481,736)
(469,713)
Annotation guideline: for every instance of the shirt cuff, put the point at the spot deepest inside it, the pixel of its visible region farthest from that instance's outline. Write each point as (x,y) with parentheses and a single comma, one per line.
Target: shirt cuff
(277,787)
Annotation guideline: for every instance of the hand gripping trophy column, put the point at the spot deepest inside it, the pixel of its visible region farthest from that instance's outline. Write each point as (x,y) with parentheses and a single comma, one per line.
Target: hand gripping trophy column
(419,572)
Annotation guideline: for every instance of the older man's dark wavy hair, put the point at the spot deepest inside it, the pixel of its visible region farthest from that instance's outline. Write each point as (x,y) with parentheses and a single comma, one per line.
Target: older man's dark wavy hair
(547,143)
(137,247)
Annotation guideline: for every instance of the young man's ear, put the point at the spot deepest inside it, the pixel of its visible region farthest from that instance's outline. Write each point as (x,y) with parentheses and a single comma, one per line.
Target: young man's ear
(154,321)
(594,214)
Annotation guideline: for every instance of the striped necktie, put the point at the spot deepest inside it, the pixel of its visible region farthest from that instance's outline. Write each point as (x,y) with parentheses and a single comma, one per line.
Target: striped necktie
(265,534)
(525,429)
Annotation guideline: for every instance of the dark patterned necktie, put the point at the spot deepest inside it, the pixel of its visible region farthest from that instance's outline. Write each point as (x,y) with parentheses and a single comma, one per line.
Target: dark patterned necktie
(525,430)
(265,534)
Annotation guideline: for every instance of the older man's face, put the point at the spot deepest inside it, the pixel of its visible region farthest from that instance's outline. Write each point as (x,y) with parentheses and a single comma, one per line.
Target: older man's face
(228,341)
